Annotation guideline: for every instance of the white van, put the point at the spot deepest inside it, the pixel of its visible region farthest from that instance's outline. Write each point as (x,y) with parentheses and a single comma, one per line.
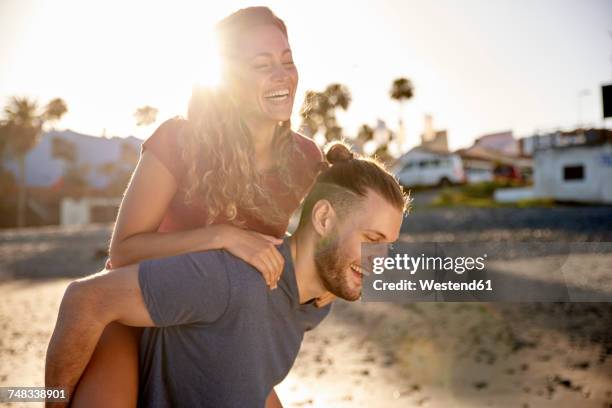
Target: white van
(421,167)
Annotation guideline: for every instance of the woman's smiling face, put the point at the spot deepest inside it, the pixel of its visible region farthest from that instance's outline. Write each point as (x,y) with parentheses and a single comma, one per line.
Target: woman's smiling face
(263,77)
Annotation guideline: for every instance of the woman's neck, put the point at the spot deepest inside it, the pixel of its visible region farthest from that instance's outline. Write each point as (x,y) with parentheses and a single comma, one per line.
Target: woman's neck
(262,134)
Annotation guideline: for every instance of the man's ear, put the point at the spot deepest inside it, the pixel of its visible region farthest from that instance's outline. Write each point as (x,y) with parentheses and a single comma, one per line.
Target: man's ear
(323,217)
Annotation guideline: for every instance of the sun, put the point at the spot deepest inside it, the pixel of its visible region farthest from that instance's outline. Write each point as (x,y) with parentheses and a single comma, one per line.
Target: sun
(206,63)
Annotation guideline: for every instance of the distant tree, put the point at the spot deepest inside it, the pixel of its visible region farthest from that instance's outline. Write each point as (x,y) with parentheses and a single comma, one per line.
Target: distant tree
(75,174)
(401,91)
(119,172)
(382,154)
(315,104)
(55,109)
(64,149)
(145,115)
(7,180)
(364,135)
(21,130)
(319,111)
(4,136)
(339,96)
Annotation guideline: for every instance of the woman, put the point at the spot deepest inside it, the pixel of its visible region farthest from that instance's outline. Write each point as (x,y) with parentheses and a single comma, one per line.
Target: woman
(229,176)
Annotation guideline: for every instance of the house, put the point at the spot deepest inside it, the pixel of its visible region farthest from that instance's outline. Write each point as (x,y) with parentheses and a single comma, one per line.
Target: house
(573,166)
(100,161)
(502,142)
(433,139)
(44,170)
(492,153)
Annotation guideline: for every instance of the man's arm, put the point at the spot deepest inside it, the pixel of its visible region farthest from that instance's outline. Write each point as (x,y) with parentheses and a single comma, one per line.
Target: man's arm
(88,305)
(141,295)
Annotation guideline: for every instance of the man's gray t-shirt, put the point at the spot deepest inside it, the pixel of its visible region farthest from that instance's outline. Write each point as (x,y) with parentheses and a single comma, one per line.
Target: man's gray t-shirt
(223,338)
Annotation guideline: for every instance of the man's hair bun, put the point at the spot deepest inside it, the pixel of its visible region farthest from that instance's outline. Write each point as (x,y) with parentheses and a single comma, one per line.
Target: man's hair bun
(338,153)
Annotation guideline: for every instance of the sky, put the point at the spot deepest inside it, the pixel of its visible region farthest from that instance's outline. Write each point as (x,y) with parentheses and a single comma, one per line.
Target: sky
(478,66)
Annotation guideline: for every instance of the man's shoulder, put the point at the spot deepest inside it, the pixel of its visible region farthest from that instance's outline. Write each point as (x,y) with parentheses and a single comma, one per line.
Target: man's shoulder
(239,272)
(222,259)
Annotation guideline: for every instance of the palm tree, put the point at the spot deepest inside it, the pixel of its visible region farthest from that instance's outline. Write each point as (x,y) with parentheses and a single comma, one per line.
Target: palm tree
(319,110)
(3,142)
(339,96)
(364,135)
(75,175)
(22,129)
(145,115)
(7,180)
(401,91)
(55,109)
(64,149)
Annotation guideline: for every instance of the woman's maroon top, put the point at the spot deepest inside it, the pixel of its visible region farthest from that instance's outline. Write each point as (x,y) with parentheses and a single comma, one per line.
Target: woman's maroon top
(164,144)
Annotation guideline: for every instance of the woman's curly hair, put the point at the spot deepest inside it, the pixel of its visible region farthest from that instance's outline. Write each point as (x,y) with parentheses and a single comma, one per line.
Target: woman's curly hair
(219,149)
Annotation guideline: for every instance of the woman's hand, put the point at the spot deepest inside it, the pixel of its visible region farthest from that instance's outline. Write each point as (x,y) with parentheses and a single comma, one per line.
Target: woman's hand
(254,248)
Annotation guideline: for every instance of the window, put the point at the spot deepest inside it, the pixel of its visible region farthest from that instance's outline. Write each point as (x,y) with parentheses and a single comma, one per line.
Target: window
(573,172)
(407,166)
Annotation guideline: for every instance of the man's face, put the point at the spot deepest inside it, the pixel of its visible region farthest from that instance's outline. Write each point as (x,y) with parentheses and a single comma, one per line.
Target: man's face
(338,254)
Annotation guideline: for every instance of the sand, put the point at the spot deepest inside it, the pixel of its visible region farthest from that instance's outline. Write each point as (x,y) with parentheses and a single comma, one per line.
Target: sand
(363,354)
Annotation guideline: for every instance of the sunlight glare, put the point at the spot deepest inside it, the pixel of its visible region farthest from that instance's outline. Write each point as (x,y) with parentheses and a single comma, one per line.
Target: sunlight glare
(206,64)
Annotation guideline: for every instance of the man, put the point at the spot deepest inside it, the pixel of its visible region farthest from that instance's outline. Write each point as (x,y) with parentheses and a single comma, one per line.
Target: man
(217,336)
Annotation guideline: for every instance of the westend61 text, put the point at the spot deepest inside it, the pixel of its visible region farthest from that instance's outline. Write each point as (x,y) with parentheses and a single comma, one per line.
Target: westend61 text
(431,284)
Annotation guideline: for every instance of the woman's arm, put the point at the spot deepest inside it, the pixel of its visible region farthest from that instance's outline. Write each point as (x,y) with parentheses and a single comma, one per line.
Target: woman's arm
(273,401)
(135,237)
(144,204)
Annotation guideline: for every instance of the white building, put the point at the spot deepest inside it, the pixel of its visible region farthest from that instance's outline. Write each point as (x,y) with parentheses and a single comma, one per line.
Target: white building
(79,211)
(575,173)
(573,166)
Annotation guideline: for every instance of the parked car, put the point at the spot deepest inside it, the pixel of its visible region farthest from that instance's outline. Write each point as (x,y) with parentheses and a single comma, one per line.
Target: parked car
(506,172)
(430,169)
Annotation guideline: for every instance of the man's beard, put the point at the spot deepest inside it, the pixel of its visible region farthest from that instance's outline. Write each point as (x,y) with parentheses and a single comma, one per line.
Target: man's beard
(332,263)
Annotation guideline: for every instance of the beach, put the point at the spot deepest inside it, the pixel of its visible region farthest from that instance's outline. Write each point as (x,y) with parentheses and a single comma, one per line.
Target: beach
(372,354)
